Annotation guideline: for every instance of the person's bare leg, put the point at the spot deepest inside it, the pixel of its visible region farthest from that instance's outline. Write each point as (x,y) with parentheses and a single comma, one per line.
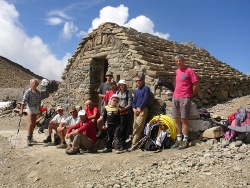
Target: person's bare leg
(178,125)
(186,126)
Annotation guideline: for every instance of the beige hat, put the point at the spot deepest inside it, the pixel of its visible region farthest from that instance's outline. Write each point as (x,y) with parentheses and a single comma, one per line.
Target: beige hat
(59,108)
(122,82)
(109,73)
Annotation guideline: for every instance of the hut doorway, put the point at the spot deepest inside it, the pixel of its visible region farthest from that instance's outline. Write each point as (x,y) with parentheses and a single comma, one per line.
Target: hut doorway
(99,67)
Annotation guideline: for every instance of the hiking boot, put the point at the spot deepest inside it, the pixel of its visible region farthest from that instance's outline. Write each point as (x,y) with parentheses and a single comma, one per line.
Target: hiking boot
(32,140)
(29,141)
(72,151)
(56,142)
(183,145)
(48,139)
(106,150)
(62,146)
(176,145)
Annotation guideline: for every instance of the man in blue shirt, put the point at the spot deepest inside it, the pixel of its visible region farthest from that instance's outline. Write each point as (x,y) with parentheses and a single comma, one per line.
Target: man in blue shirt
(140,107)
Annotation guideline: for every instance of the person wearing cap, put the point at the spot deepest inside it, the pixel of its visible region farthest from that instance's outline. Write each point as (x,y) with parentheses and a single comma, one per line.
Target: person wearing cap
(186,85)
(125,105)
(111,123)
(65,124)
(92,111)
(54,124)
(83,133)
(31,97)
(140,107)
(103,88)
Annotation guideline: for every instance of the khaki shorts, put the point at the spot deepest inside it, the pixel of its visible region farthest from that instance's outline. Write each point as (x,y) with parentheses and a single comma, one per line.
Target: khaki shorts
(181,107)
(33,110)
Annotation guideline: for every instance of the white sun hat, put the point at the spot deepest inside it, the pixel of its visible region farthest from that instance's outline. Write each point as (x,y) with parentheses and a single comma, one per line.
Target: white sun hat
(115,96)
(122,82)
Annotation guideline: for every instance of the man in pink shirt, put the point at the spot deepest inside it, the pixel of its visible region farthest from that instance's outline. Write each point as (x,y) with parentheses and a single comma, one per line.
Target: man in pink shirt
(186,85)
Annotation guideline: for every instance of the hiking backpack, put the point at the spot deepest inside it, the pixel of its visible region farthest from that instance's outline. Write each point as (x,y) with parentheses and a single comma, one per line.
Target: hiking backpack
(49,115)
(157,136)
(240,118)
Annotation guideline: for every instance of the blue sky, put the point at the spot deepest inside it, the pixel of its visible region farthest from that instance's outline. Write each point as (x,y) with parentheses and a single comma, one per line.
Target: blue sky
(42,35)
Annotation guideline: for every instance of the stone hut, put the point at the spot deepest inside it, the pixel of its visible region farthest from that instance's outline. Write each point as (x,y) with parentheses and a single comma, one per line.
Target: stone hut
(127,52)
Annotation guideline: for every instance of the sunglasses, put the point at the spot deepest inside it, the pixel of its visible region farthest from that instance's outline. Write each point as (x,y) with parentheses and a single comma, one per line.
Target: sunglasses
(72,112)
(116,101)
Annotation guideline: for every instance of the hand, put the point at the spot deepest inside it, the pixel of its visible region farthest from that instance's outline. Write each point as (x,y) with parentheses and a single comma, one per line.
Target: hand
(103,127)
(138,110)
(67,136)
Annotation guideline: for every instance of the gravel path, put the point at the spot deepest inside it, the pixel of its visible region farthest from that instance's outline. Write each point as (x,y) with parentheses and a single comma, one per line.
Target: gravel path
(206,164)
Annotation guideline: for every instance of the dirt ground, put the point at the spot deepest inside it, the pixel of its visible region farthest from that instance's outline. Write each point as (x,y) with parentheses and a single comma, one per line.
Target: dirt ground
(40,166)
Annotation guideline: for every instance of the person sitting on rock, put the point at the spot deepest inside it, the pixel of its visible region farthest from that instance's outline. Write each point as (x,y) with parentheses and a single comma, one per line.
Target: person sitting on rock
(111,123)
(65,124)
(83,133)
(92,112)
(54,124)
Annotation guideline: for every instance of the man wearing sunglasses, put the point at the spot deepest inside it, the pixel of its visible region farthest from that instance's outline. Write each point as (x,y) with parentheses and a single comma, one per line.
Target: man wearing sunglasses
(140,109)
(65,124)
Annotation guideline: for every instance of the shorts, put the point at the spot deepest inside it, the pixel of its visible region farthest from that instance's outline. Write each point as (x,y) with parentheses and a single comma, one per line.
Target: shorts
(181,107)
(33,110)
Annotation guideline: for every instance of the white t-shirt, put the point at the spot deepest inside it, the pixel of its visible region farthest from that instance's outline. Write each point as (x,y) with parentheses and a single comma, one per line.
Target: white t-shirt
(71,121)
(58,118)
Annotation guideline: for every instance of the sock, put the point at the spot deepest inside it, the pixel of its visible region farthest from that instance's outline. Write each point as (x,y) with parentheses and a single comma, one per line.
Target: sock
(185,138)
(179,137)
(64,142)
(29,137)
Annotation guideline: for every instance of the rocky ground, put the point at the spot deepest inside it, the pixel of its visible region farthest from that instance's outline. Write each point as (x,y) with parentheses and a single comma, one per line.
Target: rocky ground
(205,164)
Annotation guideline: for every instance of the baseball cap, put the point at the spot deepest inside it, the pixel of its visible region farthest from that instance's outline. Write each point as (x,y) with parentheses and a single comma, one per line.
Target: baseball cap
(59,108)
(81,113)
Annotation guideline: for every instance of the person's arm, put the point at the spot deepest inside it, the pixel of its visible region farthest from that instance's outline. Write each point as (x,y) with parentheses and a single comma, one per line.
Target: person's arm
(145,98)
(99,90)
(24,100)
(195,87)
(129,101)
(95,113)
(101,95)
(70,132)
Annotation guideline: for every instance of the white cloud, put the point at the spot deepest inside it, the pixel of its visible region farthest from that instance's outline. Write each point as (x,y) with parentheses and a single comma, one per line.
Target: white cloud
(54,21)
(30,52)
(68,30)
(117,15)
(58,13)
(120,16)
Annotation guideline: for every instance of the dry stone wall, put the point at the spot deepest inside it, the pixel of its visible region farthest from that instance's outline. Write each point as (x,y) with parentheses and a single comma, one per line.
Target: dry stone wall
(127,52)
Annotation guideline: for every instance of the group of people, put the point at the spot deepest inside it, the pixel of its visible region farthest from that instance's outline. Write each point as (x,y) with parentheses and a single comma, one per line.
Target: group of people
(82,128)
